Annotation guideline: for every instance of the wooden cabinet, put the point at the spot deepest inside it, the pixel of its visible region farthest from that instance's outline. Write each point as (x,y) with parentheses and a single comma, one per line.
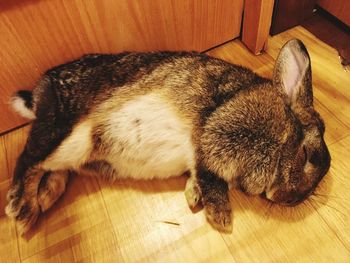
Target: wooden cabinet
(36,35)
(339,8)
(290,13)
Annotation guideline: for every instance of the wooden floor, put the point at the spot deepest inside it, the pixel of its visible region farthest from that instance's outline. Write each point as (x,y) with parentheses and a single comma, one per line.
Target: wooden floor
(150,221)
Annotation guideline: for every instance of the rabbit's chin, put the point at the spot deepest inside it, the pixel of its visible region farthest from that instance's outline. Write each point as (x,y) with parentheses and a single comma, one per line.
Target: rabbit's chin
(286,198)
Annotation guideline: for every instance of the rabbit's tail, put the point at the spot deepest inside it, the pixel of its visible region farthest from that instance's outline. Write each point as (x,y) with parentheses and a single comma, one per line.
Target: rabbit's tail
(22,103)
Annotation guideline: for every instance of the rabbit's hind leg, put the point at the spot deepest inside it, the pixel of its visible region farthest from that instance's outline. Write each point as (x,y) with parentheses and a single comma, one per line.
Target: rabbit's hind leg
(51,187)
(25,206)
(48,148)
(22,205)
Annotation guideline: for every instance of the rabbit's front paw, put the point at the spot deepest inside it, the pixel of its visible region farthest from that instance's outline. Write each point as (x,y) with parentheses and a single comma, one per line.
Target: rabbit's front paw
(192,192)
(22,208)
(219,216)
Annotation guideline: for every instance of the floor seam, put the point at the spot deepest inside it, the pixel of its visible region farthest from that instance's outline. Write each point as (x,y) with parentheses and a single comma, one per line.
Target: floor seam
(340,139)
(331,113)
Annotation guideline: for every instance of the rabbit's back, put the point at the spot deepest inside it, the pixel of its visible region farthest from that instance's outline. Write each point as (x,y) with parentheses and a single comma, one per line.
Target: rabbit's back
(140,112)
(187,77)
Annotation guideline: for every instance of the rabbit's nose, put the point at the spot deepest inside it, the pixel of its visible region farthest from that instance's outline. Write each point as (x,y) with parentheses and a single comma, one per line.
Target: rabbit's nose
(263,195)
(295,200)
(292,201)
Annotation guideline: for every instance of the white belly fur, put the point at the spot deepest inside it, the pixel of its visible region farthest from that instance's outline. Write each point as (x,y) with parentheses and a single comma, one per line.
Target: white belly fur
(148,139)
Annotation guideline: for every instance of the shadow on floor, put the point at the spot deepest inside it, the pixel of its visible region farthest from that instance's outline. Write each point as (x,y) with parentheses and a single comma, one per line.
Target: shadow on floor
(331,31)
(240,202)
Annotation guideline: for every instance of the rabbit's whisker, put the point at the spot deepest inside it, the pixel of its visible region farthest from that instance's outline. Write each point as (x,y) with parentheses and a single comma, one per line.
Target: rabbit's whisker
(318,201)
(330,196)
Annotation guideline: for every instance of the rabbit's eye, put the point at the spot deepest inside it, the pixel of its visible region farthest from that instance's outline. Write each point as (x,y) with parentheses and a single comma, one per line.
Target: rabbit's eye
(312,155)
(322,127)
(315,157)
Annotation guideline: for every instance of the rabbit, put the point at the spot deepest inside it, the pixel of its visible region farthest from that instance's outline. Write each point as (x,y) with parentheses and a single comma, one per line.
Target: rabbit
(161,114)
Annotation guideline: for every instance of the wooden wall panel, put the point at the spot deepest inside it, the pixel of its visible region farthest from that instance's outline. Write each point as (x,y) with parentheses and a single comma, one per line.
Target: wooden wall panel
(38,34)
(3,160)
(339,8)
(256,24)
(4,182)
(290,13)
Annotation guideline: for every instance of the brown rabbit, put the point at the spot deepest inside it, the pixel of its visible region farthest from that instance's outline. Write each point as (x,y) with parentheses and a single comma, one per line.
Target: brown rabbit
(161,114)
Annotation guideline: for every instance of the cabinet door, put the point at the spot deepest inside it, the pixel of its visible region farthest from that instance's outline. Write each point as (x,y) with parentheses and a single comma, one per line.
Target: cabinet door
(39,34)
(290,13)
(339,8)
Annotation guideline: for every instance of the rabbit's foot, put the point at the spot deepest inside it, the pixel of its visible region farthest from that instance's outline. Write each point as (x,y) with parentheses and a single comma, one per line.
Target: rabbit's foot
(22,207)
(192,192)
(219,216)
(52,186)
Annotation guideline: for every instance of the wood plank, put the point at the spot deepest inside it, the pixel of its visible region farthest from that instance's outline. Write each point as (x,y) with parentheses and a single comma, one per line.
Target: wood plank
(37,35)
(3,161)
(82,248)
(80,209)
(256,24)
(153,217)
(4,175)
(8,240)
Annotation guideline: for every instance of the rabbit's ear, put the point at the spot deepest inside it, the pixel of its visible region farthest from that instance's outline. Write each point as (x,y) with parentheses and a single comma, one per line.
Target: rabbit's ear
(292,73)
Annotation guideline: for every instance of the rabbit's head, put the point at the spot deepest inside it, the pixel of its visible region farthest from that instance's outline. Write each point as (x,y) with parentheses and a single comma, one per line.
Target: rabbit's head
(268,138)
(304,158)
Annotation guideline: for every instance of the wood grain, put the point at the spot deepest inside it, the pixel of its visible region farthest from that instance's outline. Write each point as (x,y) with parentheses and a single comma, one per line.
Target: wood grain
(37,35)
(256,24)
(3,160)
(9,248)
(4,174)
(14,143)
(82,248)
(149,221)
(339,8)
(82,197)
(145,224)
